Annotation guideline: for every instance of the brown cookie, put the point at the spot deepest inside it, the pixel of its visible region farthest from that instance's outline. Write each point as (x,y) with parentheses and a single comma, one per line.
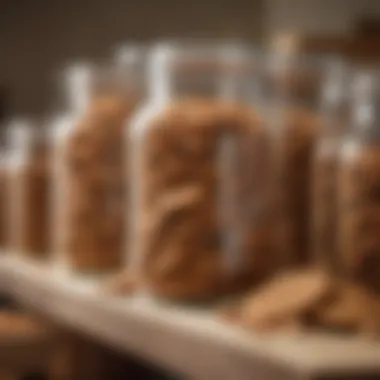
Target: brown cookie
(203,182)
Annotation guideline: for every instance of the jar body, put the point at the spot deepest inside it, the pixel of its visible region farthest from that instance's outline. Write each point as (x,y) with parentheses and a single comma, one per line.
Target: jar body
(89,166)
(324,202)
(359,211)
(336,110)
(294,83)
(4,221)
(295,141)
(28,184)
(202,198)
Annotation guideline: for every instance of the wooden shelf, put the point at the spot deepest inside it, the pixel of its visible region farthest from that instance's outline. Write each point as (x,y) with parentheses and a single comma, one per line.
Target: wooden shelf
(188,341)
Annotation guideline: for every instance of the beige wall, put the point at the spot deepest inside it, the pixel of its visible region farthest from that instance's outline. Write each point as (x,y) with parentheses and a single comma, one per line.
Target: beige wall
(37,36)
(316,16)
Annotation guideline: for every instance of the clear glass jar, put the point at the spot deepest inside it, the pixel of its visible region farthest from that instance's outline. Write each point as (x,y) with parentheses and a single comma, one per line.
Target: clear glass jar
(3,198)
(335,111)
(201,169)
(293,91)
(359,187)
(28,182)
(90,165)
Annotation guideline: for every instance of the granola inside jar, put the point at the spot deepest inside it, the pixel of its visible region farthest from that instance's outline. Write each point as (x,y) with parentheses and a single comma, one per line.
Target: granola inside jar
(3,200)
(294,90)
(335,110)
(28,184)
(91,165)
(358,186)
(202,172)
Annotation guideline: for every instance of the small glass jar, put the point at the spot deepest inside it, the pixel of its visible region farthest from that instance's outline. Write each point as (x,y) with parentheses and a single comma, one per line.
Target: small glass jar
(201,169)
(359,187)
(90,167)
(28,182)
(335,111)
(293,85)
(3,198)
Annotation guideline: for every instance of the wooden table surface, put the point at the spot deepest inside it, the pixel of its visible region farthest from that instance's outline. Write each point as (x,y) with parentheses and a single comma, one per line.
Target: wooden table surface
(188,341)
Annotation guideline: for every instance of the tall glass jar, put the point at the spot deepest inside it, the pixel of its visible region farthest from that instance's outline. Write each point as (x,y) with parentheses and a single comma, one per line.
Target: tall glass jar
(28,181)
(3,198)
(90,165)
(359,187)
(335,111)
(294,85)
(201,169)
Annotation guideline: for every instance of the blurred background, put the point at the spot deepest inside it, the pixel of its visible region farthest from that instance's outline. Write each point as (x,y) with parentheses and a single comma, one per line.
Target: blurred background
(37,37)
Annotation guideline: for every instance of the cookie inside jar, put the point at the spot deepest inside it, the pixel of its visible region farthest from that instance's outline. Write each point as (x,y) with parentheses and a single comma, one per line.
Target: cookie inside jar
(4,241)
(358,186)
(203,215)
(94,169)
(294,85)
(28,185)
(336,112)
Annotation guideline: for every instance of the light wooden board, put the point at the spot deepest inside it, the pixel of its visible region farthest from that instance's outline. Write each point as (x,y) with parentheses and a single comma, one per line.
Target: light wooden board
(189,341)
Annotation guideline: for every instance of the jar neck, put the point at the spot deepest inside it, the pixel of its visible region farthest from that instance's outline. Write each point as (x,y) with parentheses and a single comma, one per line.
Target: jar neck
(86,83)
(294,80)
(214,73)
(366,106)
(19,136)
(130,66)
(174,76)
(335,103)
(25,139)
(79,87)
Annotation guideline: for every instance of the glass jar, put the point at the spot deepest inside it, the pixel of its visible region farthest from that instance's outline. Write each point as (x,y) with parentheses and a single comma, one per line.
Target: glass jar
(335,111)
(28,181)
(293,92)
(201,169)
(90,165)
(3,198)
(359,187)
